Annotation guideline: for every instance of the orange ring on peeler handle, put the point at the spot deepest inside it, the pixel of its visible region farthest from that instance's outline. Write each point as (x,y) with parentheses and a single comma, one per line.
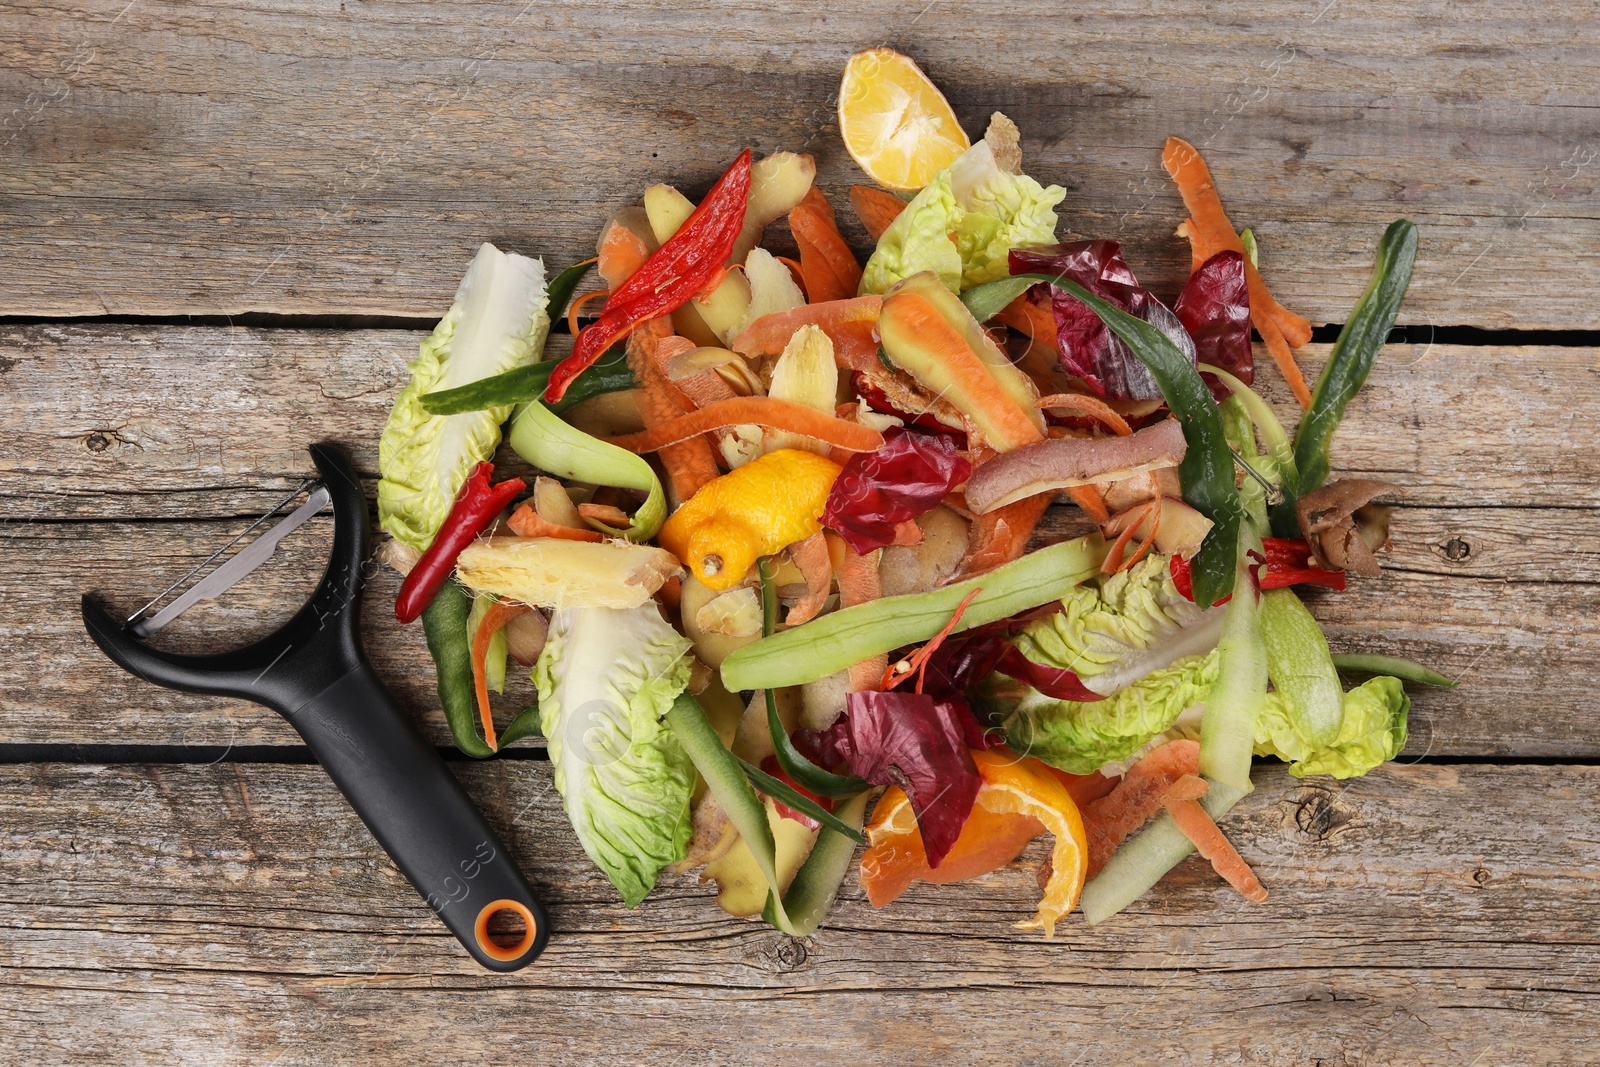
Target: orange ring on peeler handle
(512,952)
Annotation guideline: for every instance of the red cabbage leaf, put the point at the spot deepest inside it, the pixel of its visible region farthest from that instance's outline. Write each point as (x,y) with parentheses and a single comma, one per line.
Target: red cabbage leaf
(1088,349)
(919,743)
(877,491)
(1214,308)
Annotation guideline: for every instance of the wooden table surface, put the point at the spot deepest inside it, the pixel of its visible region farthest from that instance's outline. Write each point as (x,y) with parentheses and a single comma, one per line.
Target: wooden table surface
(227,226)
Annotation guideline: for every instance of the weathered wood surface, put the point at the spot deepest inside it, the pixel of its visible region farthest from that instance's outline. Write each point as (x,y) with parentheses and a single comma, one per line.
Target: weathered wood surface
(1423,915)
(121,422)
(1523,641)
(156,158)
(109,427)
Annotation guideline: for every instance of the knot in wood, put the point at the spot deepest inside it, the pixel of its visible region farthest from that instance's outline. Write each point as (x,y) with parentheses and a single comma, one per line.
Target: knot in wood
(1481,876)
(1457,550)
(789,954)
(97,442)
(1319,814)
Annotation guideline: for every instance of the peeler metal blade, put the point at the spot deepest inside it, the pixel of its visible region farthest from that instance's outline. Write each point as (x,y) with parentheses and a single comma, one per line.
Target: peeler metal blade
(233,571)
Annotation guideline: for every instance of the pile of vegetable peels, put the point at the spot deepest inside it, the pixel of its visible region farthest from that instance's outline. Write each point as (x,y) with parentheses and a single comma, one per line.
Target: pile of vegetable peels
(770,572)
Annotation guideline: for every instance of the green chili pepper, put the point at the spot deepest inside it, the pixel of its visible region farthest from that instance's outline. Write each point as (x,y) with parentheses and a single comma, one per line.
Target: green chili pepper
(609,374)
(562,286)
(816,884)
(1394,666)
(1227,731)
(833,642)
(1301,667)
(445,623)
(822,782)
(1347,368)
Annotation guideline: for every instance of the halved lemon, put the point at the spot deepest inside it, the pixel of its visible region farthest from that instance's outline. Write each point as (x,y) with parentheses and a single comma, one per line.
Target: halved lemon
(895,123)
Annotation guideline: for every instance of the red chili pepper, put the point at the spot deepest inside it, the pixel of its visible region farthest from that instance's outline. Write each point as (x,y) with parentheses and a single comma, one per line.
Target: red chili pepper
(770,765)
(475,508)
(879,402)
(1288,562)
(682,268)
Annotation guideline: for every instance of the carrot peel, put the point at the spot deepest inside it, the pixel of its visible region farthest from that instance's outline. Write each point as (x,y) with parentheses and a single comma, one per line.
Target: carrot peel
(494,620)
(1209,229)
(762,411)
(1181,803)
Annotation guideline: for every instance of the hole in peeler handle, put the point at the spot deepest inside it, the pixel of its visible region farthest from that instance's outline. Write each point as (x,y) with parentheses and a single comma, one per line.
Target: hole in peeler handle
(505,930)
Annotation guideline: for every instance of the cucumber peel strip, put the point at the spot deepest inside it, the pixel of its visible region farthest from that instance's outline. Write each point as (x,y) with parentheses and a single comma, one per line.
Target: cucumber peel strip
(1227,730)
(540,436)
(817,779)
(834,641)
(814,887)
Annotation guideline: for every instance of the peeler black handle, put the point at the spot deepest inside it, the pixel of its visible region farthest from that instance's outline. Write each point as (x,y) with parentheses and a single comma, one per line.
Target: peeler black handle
(313,672)
(421,816)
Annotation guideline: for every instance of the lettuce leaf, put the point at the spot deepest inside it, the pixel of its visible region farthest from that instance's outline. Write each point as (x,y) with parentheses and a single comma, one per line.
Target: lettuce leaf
(1373,730)
(606,678)
(1112,632)
(1082,737)
(497,323)
(988,210)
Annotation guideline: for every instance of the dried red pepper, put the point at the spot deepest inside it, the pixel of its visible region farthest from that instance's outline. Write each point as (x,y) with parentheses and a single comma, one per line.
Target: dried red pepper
(877,491)
(687,265)
(1288,562)
(475,508)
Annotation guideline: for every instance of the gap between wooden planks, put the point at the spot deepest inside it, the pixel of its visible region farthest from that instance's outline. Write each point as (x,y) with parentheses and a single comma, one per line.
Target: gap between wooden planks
(160,163)
(106,431)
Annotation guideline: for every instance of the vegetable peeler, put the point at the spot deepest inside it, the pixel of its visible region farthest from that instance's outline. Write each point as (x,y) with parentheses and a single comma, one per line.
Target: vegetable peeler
(313,672)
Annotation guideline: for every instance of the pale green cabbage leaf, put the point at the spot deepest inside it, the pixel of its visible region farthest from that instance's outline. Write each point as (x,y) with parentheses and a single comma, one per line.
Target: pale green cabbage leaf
(1113,631)
(497,322)
(606,677)
(988,211)
(1373,730)
(1080,737)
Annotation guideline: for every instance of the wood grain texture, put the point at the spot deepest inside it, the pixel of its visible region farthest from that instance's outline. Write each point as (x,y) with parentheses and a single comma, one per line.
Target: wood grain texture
(108,428)
(120,422)
(159,158)
(240,915)
(1523,640)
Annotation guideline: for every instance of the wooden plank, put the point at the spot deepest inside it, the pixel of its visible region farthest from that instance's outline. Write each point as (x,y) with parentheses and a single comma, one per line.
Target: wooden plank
(106,423)
(240,915)
(109,421)
(304,159)
(1522,638)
